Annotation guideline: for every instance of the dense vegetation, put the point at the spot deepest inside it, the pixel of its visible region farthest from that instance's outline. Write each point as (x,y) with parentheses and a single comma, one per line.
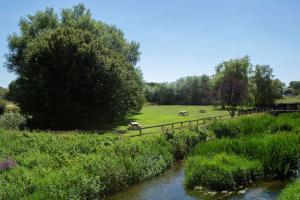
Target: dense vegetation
(72,71)
(68,165)
(292,192)
(293,88)
(249,148)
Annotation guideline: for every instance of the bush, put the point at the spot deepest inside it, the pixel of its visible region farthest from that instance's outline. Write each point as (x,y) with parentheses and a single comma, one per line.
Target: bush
(12,120)
(68,165)
(277,153)
(221,171)
(183,141)
(11,108)
(226,128)
(291,192)
(256,124)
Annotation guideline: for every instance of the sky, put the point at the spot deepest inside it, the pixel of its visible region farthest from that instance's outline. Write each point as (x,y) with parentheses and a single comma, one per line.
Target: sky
(185,37)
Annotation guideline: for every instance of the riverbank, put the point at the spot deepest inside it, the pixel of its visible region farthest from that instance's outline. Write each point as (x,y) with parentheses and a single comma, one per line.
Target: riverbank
(246,150)
(40,165)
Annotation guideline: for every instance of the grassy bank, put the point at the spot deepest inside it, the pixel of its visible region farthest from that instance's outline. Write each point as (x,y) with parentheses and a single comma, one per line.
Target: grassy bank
(292,192)
(80,166)
(272,143)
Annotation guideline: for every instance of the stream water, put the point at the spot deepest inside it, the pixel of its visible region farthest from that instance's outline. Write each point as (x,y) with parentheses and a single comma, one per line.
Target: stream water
(169,186)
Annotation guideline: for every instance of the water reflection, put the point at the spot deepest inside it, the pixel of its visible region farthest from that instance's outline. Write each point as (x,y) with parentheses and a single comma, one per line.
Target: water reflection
(169,186)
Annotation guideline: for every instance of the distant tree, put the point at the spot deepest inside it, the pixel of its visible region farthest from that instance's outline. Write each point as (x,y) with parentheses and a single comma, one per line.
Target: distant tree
(277,88)
(191,90)
(295,85)
(289,91)
(263,79)
(166,94)
(73,71)
(231,82)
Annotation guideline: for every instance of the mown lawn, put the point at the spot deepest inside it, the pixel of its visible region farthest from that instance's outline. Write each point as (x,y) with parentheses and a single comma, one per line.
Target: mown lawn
(161,114)
(292,99)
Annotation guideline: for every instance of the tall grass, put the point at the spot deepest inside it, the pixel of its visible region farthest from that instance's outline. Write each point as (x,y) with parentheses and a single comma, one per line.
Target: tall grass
(252,138)
(81,166)
(221,171)
(255,124)
(292,192)
(278,153)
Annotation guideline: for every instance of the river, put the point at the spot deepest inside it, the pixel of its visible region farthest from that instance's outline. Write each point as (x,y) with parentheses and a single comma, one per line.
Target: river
(170,186)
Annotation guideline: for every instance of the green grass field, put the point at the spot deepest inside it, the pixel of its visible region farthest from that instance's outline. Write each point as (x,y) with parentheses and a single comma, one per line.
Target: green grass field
(292,99)
(155,115)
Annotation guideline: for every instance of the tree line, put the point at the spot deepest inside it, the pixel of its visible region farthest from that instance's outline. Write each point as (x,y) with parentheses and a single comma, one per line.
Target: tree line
(235,82)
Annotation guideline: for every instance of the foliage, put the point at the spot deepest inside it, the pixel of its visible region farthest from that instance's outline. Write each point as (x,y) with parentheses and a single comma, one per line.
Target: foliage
(256,124)
(232,81)
(70,165)
(292,191)
(221,171)
(264,94)
(277,88)
(73,71)
(295,85)
(183,141)
(277,154)
(12,120)
(10,107)
(190,90)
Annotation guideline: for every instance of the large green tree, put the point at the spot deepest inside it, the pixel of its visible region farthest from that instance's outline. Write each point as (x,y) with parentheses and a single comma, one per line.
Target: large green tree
(72,71)
(264,92)
(231,82)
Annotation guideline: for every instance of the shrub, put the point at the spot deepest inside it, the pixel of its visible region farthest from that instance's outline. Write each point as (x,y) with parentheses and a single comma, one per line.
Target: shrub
(12,120)
(256,124)
(183,141)
(226,128)
(82,166)
(221,171)
(291,192)
(277,153)
(11,108)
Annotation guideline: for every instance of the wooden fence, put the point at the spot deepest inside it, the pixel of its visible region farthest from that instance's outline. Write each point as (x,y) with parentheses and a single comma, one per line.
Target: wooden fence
(189,123)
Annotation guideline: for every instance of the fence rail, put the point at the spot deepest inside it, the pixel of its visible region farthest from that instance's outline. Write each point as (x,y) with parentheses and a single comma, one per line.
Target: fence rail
(190,123)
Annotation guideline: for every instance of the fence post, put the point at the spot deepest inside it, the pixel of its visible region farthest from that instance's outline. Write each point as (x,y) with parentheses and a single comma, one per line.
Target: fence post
(140,130)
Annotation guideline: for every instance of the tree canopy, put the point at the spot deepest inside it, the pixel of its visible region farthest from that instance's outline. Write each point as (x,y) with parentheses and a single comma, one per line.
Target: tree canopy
(231,80)
(73,71)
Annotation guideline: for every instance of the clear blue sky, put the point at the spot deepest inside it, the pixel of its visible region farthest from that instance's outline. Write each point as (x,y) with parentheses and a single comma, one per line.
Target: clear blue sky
(187,37)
